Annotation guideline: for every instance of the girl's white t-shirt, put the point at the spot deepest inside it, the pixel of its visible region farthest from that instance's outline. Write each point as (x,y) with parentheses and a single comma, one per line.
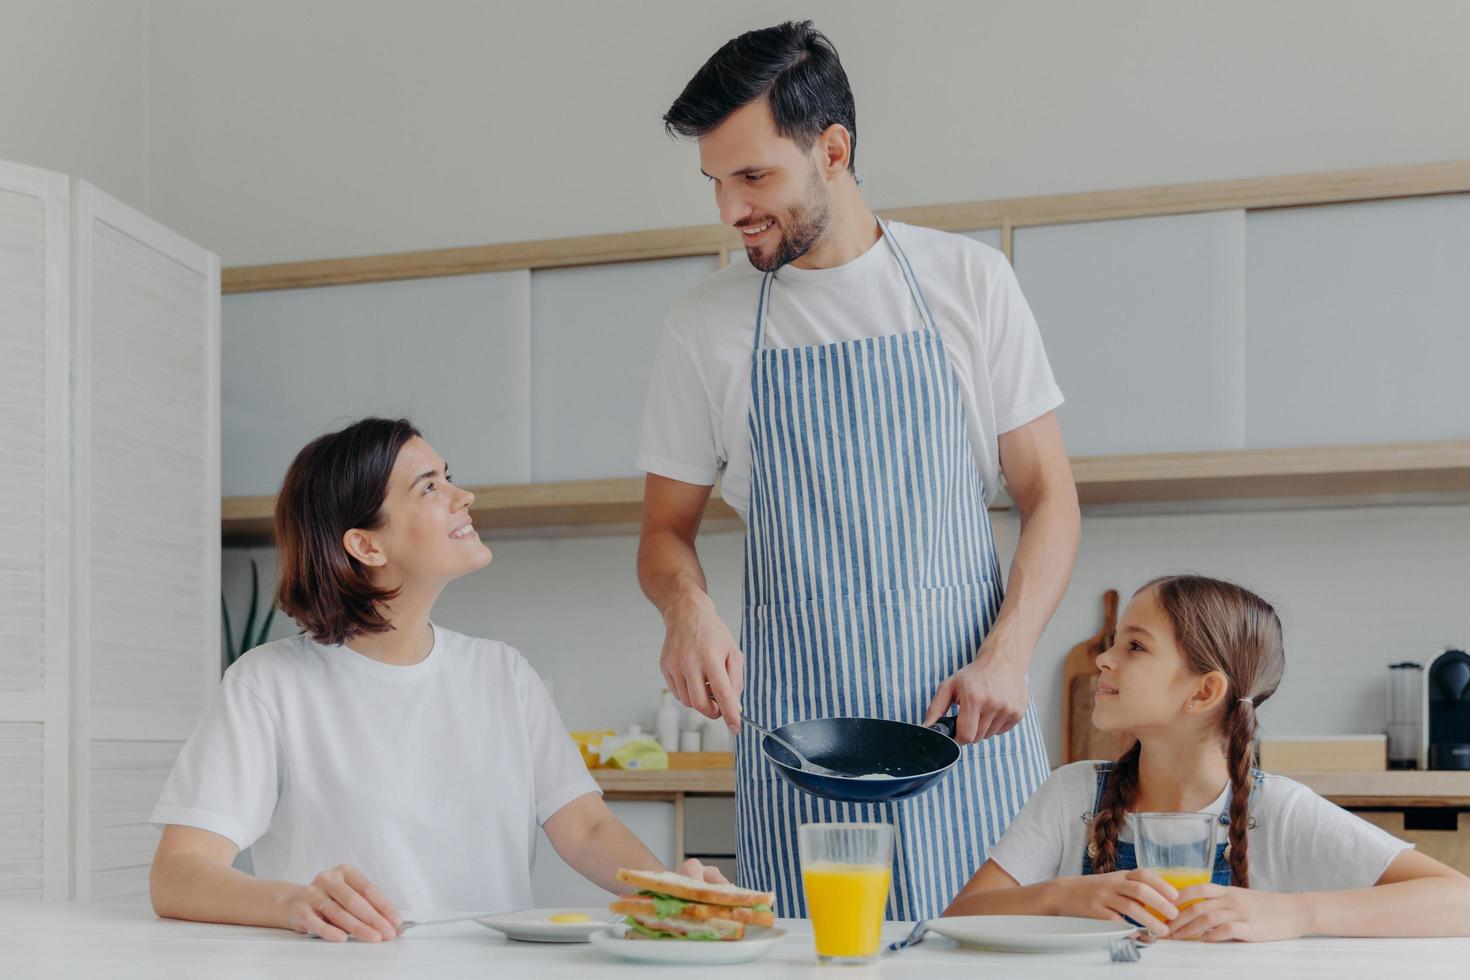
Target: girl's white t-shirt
(430,779)
(695,419)
(1300,842)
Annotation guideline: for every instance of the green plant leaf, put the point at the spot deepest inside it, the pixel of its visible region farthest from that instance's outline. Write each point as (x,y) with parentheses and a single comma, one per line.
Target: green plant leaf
(265,627)
(250,612)
(230,654)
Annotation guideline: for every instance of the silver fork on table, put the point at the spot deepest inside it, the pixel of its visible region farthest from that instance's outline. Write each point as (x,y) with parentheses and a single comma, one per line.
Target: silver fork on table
(1125,950)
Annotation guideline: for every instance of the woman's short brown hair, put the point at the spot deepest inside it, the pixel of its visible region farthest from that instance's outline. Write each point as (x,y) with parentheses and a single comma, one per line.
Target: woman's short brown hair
(336,482)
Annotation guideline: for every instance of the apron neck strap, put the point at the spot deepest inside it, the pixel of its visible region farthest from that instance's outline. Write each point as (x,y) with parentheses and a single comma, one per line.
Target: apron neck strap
(904,267)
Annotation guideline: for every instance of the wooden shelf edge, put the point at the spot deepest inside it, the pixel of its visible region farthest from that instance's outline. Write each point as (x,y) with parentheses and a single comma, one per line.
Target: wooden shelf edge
(721,781)
(1007,214)
(1326,472)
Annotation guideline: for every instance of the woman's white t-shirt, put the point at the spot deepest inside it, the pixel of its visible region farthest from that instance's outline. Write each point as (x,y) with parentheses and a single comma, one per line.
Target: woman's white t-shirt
(695,419)
(431,779)
(1300,842)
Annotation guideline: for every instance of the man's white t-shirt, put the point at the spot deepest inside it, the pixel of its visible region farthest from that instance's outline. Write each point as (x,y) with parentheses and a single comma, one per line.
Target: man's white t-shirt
(430,779)
(1300,842)
(695,418)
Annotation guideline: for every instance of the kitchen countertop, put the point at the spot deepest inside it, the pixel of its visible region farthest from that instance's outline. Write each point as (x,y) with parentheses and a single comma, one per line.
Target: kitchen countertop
(119,941)
(1388,788)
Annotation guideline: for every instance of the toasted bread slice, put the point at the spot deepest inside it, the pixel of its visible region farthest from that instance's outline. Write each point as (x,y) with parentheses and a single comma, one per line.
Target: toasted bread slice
(726,930)
(642,906)
(692,889)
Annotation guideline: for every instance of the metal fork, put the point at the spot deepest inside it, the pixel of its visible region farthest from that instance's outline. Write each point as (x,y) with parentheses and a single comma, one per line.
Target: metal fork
(921,928)
(1125,950)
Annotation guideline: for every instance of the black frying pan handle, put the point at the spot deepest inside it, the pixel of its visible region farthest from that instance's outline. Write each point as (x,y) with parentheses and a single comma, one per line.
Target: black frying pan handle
(947,725)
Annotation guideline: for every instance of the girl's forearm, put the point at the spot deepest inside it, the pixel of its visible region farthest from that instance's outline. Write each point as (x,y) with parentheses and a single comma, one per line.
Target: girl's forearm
(1432,906)
(1038,899)
(190,886)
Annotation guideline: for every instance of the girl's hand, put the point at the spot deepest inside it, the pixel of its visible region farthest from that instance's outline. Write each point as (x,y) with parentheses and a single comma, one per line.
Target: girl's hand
(339,903)
(1136,894)
(704,872)
(1220,914)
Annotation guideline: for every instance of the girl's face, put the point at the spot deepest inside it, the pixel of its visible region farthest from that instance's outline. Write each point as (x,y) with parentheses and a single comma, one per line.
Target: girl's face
(427,537)
(1145,685)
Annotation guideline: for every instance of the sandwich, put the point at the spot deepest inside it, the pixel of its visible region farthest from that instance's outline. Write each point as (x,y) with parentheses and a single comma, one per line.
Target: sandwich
(675,906)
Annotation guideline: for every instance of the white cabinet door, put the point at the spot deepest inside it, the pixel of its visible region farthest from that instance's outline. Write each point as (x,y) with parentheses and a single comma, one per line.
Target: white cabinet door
(1144,324)
(594,332)
(34,534)
(553,883)
(990,236)
(145,594)
(1359,322)
(452,354)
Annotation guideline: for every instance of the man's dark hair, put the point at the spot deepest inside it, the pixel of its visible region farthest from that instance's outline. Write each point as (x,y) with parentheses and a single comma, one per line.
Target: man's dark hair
(792,66)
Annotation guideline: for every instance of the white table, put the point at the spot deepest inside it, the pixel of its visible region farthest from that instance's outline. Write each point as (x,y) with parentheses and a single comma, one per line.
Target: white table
(40,941)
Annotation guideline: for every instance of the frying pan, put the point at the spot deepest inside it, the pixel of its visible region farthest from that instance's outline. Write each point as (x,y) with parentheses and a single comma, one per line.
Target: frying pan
(916,757)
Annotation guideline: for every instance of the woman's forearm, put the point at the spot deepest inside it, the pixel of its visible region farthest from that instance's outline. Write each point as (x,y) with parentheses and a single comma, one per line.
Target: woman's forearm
(610,845)
(191,886)
(1432,906)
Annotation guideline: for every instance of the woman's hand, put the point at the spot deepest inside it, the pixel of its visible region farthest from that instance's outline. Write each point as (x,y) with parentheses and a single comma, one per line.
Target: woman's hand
(1137,894)
(1220,913)
(339,903)
(707,873)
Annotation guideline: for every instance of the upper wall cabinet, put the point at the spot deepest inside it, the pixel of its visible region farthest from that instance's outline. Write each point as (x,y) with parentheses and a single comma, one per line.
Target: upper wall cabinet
(594,332)
(452,354)
(1143,321)
(1359,322)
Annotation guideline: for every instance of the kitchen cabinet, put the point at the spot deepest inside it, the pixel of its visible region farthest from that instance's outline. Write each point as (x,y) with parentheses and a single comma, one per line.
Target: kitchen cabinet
(1143,321)
(1358,322)
(594,332)
(452,354)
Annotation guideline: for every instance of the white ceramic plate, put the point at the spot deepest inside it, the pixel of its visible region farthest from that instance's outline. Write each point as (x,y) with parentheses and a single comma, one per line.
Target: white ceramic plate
(534,925)
(1030,933)
(757,942)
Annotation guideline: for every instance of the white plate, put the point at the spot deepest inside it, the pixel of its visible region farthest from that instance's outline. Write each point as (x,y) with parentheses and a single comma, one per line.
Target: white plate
(757,942)
(531,925)
(1030,933)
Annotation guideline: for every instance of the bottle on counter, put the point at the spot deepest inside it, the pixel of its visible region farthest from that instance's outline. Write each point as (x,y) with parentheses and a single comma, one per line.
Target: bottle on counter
(689,741)
(666,722)
(716,735)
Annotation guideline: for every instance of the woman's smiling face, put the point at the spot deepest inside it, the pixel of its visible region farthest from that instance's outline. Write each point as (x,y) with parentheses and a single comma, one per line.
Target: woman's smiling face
(427,536)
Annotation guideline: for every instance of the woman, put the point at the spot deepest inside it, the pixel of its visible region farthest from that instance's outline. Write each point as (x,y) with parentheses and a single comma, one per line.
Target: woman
(377,761)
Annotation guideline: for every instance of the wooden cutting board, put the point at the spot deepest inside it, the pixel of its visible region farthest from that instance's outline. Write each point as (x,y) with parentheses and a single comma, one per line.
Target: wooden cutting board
(1080,740)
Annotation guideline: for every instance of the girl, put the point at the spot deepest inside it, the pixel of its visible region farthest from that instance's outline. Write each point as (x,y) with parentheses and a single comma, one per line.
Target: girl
(1193,660)
(410,762)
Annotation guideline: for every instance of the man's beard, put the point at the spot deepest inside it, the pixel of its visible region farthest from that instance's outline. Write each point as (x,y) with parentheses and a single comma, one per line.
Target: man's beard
(802,228)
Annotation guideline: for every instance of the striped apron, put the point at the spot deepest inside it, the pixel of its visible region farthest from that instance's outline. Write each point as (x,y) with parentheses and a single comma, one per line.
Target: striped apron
(870,577)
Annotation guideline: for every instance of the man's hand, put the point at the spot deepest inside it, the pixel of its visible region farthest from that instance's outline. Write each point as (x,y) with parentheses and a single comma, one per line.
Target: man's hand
(700,658)
(707,873)
(991,692)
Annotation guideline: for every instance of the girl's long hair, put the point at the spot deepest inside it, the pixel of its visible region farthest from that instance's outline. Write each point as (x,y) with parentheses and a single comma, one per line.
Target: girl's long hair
(1218,626)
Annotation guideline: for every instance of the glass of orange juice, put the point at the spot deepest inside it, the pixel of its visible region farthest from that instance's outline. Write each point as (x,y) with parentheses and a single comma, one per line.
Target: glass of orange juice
(845,872)
(1179,847)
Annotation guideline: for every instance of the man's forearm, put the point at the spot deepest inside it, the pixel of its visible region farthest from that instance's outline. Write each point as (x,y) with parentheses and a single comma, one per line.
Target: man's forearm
(1045,555)
(190,886)
(669,570)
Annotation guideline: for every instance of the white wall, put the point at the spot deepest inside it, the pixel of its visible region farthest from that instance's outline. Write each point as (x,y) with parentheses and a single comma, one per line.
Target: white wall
(73,91)
(287,130)
(1357,589)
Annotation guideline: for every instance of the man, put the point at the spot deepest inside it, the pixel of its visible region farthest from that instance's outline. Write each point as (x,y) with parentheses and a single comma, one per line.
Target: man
(860,387)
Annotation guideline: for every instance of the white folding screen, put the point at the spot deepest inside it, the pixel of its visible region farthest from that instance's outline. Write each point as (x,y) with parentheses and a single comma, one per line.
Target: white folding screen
(145,310)
(109,528)
(34,783)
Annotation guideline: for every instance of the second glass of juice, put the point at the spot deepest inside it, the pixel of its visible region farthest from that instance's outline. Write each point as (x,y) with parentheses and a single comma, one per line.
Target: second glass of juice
(845,873)
(1179,847)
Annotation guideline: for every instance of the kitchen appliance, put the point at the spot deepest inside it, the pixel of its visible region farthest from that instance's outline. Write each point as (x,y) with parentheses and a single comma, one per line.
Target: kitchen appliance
(1448,700)
(1407,745)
